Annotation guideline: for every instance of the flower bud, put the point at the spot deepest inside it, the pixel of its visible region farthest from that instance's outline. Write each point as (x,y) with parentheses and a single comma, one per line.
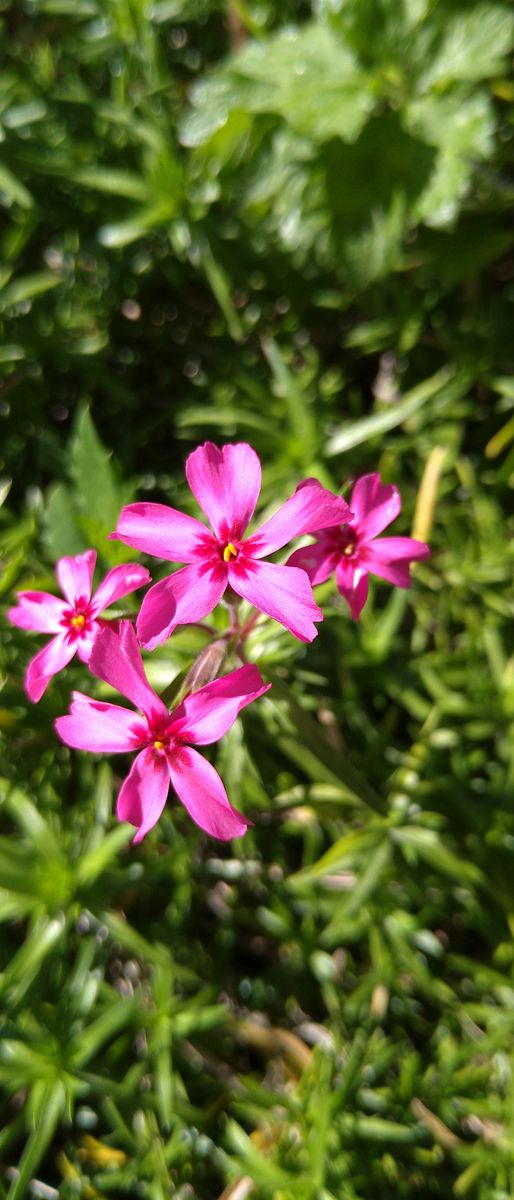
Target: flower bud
(206,667)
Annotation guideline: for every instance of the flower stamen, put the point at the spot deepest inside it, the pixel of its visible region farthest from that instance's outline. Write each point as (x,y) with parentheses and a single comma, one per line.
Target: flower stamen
(158,745)
(78,621)
(229,552)
(348,542)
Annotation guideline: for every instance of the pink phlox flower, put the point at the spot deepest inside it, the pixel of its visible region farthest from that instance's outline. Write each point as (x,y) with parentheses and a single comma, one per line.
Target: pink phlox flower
(354,550)
(161,738)
(73,621)
(226,482)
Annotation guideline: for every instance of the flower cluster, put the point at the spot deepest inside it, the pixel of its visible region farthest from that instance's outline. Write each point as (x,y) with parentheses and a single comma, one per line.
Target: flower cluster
(354,551)
(218,559)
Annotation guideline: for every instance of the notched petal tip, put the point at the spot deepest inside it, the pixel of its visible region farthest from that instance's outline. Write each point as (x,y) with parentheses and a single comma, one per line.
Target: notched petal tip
(375,505)
(226,482)
(119,582)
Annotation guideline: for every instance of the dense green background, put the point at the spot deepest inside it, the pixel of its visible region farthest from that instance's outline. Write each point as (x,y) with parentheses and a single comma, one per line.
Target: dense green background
(289,224)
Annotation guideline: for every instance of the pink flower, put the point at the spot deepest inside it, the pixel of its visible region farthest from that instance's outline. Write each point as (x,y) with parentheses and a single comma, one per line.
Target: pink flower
(73,621)
(163,738)
(353,551)
(226,483)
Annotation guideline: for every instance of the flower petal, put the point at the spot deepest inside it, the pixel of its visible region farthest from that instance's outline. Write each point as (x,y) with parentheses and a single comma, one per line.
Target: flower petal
(84,641)
(352,583)
(39,612)
(310,508)
(118,582)
(226,481)
(162,531)
(116,659)
(51,659)
(75,575)
(318,560)
(283,593)
(186,596)
(201,791)
(374,505)
(390,558)
(208,713)
(102,728)
(143,795)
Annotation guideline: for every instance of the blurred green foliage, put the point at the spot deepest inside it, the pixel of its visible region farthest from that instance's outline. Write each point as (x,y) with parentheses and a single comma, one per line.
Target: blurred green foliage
(289,224)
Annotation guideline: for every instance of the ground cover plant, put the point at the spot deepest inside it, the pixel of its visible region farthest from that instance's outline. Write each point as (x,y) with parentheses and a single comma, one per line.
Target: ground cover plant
(287,226)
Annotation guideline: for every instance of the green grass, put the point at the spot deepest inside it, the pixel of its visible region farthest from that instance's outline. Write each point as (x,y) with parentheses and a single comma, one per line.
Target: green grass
(215,229)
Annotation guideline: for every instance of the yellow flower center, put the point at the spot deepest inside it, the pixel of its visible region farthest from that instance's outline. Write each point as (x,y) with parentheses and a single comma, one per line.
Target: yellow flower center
(349,541)
(229,552)
(158,745)
(78,621)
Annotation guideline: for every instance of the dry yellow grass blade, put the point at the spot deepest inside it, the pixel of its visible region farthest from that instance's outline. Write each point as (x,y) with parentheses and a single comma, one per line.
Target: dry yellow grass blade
(427,495)
(436,1127)
(273,1041)
(101,1155)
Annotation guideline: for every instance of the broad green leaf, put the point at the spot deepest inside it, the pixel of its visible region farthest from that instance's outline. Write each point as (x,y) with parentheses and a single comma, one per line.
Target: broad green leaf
(368,208)
(96,487)
(61,529)
(471,44)
(461,127)
(304,75)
